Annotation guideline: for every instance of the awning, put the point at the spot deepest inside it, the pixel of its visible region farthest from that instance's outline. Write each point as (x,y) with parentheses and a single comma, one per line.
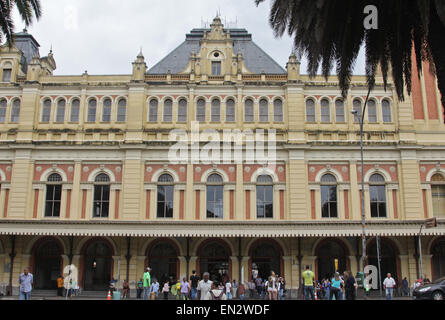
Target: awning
(248,229)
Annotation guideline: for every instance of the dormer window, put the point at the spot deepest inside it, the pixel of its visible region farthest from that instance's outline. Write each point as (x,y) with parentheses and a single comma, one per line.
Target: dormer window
(216,68)
(7,75)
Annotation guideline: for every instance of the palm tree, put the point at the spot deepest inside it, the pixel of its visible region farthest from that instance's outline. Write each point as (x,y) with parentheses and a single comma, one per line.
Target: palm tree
(331,32)
(28,10)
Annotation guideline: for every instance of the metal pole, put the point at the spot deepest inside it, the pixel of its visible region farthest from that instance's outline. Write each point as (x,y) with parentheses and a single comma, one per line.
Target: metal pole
(378,264)
(420,253)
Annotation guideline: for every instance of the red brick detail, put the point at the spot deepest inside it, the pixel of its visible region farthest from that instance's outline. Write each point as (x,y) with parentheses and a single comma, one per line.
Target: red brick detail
(6,172)
(313,204)
(428,168)
(116,207)
(430,89)
(197,204)
(346,204)
(232,212)
(36,203)
(247,204)
(385,167)
(416,91)
(396,208)
(181,205)
(5,214)
(147,205)
(155,168)
(282,204)
(111,167)
(425,206)
(337,167)
(84,203)
(224,167)
(68,204)
(247,176)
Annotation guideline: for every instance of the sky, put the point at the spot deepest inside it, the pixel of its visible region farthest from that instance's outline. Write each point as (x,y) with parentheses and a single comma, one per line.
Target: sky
(105,36)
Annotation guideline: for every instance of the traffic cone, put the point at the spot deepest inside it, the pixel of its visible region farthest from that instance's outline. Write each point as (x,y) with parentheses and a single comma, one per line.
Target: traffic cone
(109,295)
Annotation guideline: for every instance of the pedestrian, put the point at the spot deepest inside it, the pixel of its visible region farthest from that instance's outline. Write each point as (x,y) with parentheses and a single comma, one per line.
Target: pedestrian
(185,289)
(272,286)
(154,289)
(26,281)
(147,283)
(60,282)
(350,286)
(259,287)
(178,289)
(166,289)
(228,286)
(125,289)
(215,293)
(389,285)
(194,279)
(241,291)
(326,288)
(335,287)
(251,286)
(281,288)
(140,289)
(405,287)
(308,281)
(204,286)
(234,289)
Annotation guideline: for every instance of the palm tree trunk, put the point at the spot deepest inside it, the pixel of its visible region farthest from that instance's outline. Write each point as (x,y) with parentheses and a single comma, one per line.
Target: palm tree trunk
(437,45)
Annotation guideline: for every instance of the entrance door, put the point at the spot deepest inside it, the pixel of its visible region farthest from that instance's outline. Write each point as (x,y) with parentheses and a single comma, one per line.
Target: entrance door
(47,266)
(98,260)
(438,252)
(388,262)
(266,258)
(163,261)
(327,254)
(214,259)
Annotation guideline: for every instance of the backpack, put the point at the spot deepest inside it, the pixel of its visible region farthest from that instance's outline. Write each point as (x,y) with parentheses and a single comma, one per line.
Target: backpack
(215,297)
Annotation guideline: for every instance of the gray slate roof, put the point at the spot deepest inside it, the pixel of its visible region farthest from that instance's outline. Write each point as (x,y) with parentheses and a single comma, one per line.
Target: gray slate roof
(255,59)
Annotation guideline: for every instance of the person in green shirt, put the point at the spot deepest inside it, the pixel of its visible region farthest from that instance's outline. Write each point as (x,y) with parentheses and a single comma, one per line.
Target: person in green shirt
(147,283)
(308,281)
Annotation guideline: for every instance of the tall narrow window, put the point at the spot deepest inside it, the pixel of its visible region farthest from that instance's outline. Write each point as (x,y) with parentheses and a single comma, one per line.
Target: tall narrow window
(372,111)
(121,110)
(248,111)
(15,112)
(168,110)
(201,110)
(216,68)
(328,190)
(216,110)
(230,110)
(325,111)
(377,194)
(75,110)
(215,196)
(264,110)
(264,197)
(60,111)
(7,75)
(438,194)
(357,107)
(278,110)
(182,110)
(3,106)
(339,111)
(310,110)
(106,111)
(101,203)
(165,196)
(386,111)
(153,111)
(92,105)
(46,110)
(53,195)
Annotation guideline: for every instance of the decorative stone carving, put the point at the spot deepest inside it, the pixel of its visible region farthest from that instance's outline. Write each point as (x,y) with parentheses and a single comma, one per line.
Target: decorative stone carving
(70,169)
(344,169)
(182,169)
(86,169)
(198,169)
(247,169)
(312,169)
(280,169)
(392,169)
(149,169)
(38,169)
(231,169)
(118,169)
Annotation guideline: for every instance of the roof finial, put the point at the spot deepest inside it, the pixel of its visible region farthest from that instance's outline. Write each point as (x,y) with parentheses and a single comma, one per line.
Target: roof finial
(51,49)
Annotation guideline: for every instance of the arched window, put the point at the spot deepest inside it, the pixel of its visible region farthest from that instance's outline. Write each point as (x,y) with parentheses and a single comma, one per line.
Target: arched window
(248,111)
(60,111)
(46,110)
(75,110)
(121,110)
(357,107)
(168,110)
(153,111)
(372,111)
(264,110)
(92,105)
(15,112)
(101,203)
(201,110)
(53,195)
(3,106)
(377,194)
(182,110)
(264,197)
(215,196)
(106,110)
(339,111)
(438,194)
(216,110)
(278,110)
(230,110)
(165,196)
(325,111)
(386,111)
(310,110)
(328,191)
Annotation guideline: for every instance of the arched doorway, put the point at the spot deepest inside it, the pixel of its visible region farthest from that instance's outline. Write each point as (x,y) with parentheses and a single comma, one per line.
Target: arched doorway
(163,261)
(97,266)
(388,259)
(214,259)
(265,257)
(438,260)
(47,264)
(331,257)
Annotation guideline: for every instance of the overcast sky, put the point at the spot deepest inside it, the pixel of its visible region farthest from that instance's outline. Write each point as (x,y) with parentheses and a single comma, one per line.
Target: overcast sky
(105,36)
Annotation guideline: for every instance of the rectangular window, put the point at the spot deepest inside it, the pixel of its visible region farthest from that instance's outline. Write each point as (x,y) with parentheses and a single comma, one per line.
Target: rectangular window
(216,68)
(121,113)
(101,201)
(182,111)
(378,201)
(91,112)
(310,111)
(438,194)
(264,200)
(165,202)
(230,111)
(153,112)
(278,111)
(248,111)
(53,199)
(75,108)
(339,111)
(201,111)
(329,202)
(7,75)
(214,201)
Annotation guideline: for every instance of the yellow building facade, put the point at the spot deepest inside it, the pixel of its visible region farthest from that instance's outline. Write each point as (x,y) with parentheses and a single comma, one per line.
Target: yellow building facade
(86,176)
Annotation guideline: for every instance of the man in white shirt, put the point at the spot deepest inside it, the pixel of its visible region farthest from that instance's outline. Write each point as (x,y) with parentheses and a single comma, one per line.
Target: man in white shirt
(215,293)
(204,286)
(228,290)
(389,285)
